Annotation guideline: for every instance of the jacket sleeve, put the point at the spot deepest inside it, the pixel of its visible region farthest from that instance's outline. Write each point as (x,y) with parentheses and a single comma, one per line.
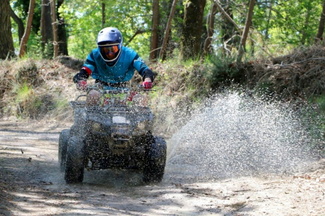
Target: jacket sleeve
(86,69)
(142,68)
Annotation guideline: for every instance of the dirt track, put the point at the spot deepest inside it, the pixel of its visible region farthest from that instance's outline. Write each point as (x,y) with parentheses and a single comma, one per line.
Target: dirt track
(31,184)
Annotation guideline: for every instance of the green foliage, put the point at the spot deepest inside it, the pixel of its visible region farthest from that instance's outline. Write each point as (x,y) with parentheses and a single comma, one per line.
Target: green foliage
(223,72)
(34,47)
(22,92)
(84,19)
(21,9)
(287,22)
(27,103)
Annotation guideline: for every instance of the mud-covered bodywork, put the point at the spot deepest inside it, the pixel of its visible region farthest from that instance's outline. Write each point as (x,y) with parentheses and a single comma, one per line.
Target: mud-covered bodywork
(115,135)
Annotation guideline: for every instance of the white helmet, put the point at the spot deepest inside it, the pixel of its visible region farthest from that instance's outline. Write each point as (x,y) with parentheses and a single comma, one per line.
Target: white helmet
(109,42)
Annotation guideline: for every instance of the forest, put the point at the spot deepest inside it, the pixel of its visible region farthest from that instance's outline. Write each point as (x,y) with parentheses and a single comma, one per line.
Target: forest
(161,29)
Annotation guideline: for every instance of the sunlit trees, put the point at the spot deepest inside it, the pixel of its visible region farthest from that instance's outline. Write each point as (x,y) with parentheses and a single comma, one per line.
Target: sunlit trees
(197,27)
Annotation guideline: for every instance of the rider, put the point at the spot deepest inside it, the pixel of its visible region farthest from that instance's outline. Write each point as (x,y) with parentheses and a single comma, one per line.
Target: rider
(112,64)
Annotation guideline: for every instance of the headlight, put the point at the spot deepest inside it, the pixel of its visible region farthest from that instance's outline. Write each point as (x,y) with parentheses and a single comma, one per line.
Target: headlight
(120,119)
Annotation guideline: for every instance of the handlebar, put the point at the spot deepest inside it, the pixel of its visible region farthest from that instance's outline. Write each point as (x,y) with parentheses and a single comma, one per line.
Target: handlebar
(108,95)
(116,90)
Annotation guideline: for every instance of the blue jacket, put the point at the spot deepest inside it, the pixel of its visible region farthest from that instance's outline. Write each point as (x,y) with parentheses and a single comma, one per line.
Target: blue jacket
(121,71)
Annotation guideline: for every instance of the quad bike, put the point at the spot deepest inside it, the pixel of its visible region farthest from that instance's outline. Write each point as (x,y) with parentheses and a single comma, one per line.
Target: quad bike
(117,134)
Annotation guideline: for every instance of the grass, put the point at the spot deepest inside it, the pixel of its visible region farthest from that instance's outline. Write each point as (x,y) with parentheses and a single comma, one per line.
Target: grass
(22,92)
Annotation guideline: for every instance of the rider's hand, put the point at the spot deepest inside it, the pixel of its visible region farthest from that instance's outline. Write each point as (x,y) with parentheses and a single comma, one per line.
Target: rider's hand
(147,83)
(82,85)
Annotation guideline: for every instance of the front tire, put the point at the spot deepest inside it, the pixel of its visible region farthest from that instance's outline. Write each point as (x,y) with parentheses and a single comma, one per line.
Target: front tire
(153,171)
(74,170)
(63,145)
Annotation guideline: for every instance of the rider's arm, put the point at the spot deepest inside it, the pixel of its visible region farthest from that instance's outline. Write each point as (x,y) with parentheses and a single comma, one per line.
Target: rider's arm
(142,68)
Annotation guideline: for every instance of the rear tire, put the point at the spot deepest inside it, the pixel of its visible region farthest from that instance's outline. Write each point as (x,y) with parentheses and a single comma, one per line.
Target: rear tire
(74,169)
(63,145)
(153,171)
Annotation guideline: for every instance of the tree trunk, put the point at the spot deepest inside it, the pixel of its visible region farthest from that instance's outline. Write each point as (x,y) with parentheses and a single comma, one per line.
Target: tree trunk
(210,28)
(319,36)
(229,29)
(167,31)
(304,34)
(19,22)
(23,45)
(6,42)
(268,22)
(103,14)
(192,29)
(246,30)
(62,33)
(46,29)
(226,15)
(54,30)
(155,28)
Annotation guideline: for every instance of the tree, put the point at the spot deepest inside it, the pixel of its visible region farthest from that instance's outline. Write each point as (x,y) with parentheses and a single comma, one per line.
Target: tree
(304,31)
(6,42)
(268,13)
(103,13)
(54,29)
(46,29)
(155,34)
(246,30)
(192,29)
(319,36)
(228,27)
(210,28)
(23,45)
(62,32)
(167,31)
(19,22)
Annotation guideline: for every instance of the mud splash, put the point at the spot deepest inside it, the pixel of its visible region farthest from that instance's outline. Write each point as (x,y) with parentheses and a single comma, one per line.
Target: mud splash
(235,135)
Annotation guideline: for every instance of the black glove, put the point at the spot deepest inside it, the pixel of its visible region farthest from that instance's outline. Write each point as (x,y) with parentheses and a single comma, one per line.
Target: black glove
(148,74)
(82,75)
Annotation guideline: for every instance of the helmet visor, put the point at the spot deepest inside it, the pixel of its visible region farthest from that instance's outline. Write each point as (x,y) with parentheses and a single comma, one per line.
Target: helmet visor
(110,51)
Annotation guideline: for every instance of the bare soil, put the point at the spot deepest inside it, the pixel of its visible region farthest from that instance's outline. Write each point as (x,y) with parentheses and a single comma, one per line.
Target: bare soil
(31,184)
